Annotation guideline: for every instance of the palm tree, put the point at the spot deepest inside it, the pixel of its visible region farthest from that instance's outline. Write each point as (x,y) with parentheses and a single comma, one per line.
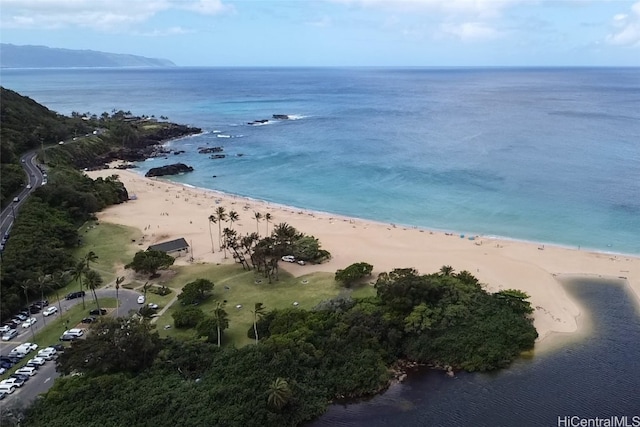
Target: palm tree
(267,218)
(59,280)
(258,311)
(90,257)
(279,393)
(221,319)
(77,272)
(233,217)
(213,219)
(258,217)
(220,215)
(26,287)
(93,280)
(446,270)
(42,283)
(119,280)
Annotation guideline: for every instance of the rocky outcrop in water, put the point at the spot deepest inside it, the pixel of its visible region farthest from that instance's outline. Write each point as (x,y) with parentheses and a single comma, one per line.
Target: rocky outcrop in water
(174,169)
(208,150)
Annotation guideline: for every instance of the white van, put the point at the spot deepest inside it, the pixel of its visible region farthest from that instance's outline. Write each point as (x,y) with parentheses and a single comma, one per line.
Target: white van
(7,388)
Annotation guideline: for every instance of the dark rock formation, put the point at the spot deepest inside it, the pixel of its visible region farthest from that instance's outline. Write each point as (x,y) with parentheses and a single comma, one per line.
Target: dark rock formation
(174,169)
(209,150)
(281,117)
(258,122)
(218,156)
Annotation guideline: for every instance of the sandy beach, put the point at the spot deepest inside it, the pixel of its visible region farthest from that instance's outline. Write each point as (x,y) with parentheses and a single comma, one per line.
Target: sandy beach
(165,211)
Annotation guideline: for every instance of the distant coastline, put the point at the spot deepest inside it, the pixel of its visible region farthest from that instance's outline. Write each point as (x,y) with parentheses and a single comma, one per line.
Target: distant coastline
(43,57)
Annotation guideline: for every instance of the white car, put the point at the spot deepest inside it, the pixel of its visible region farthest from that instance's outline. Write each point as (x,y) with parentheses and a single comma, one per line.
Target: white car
(38,361)
(7,388)
(12,381)
(153,305)
(8,335)
(4,329)
(50,310)
(141,299)
(27,370)
(289,258)
(29,322)
(28,346)
(77,332)
(47,353)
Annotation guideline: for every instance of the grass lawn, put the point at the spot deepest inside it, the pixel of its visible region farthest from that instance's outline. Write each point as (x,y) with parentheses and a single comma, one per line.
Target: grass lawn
(245,288)
(112,244)
(56,325)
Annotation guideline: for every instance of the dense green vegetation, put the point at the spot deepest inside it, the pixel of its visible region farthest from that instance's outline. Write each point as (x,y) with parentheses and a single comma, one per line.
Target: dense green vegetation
(304,358)
(353,273)
(45,233)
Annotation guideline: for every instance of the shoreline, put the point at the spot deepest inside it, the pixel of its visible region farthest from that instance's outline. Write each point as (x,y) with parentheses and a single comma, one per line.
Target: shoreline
(164,210)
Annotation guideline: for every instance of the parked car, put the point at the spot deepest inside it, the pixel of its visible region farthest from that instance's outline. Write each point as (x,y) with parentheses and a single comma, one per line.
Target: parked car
(4,328)
(20,377)
(33,309)
(12,381)
(36,361)
(30,321)
(21,316)
(90,319)
(9,335)
(27,370)
(141,299)
(76,331)
(68,337)
(9,359)
(96,312)
(7,388)
(48,353)
(57,347)
(29,346)
(16,199)
(74,295)
(289,258)
(153,306)
(50,310)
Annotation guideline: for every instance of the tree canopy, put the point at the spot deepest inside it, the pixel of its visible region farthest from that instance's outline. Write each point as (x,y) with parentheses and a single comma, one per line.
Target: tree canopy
(150,261)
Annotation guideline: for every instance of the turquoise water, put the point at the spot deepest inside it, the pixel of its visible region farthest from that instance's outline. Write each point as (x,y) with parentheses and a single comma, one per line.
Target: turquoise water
(548,155)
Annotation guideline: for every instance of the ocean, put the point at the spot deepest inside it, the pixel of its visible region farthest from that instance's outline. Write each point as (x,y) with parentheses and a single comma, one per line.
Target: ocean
(550,155)
(541,154)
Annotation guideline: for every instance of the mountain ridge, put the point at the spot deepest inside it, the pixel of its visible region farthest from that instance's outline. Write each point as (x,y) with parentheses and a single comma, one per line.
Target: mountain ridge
(32,56)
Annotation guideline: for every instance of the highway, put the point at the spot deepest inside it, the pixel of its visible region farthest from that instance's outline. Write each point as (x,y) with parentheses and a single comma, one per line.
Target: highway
(43,380)
(35,179)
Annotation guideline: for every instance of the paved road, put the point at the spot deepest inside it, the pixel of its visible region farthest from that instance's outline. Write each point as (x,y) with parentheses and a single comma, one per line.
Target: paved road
(43,380)
(35,176)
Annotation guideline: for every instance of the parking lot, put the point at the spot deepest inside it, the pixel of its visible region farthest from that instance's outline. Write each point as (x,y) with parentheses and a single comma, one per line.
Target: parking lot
(46,374)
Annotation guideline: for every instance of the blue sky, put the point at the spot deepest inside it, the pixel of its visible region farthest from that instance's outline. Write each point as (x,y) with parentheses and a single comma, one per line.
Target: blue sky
(337,32)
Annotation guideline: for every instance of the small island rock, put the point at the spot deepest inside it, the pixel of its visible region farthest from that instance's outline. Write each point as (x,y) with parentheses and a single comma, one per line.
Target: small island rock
(174,169)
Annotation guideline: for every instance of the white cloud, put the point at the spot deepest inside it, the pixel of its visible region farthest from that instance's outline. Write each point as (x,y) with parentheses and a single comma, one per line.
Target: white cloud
(100,14)
(626,28)
(469,31)
(480,8)
(204,7)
